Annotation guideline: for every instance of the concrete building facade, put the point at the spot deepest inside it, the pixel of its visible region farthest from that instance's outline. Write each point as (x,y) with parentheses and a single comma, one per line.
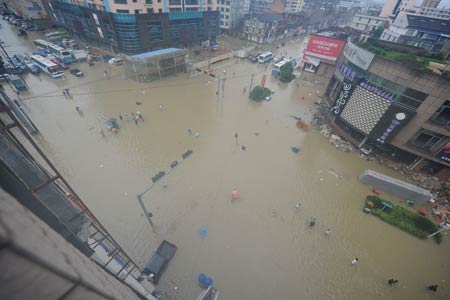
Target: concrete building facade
(34,256)
(418,31)
(147,6)
(232,12)
(294,6)
(133,33)
(399,109)
(32,10)
(257,6)
(367,23)
(431,3)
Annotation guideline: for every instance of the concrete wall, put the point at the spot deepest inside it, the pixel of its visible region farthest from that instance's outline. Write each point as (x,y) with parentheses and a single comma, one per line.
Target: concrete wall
(37,263)
(436,86)
(393,186)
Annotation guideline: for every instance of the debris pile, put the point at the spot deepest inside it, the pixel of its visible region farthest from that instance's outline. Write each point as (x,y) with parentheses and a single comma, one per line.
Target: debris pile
(336,140)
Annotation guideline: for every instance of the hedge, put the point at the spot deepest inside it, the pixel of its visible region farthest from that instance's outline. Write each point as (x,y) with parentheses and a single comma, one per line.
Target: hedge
(403,218)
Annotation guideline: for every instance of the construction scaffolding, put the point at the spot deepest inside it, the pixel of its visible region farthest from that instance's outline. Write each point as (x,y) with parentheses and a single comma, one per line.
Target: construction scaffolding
(35,181)
(151,66)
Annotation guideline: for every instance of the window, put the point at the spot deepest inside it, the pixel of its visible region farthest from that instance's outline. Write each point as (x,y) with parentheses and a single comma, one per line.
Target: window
(227,17)
(426,139)
(148,1)
(134,1)
(402,94)
(120,1)
(122,11)
(136,11)
(159,1)
(442,115)
(160,10)
(209,1)
(174,2)
(191,2)
(176,9)
(227,10)
(149,10)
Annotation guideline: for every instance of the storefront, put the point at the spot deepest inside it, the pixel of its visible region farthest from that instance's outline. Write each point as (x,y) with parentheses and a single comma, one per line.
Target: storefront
(321,55)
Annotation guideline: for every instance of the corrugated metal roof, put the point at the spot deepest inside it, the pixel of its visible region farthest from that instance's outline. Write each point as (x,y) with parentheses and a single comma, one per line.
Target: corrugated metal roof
(155,53)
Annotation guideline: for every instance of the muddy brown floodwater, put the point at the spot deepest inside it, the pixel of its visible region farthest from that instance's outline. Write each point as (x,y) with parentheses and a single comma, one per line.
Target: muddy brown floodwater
(259,246)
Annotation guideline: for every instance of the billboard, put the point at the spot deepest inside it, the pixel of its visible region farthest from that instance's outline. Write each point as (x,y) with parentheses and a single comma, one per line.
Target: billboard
(444,154)
(344,95)
(391,122)
(323,47)
(360,57)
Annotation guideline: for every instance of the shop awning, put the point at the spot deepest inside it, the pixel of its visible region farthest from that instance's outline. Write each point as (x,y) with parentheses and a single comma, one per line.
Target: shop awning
(311,60)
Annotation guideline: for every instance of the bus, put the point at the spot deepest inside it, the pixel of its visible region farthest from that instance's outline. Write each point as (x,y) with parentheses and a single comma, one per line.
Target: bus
(56,35)
(265,57)
(47,66)
(61,53)
(276,69)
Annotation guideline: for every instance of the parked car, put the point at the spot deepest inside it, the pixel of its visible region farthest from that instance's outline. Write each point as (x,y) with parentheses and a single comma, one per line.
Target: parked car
(255,57)
(116,61)
(159,261)
(367,149)
(106,57)
(76,72)
(63,66)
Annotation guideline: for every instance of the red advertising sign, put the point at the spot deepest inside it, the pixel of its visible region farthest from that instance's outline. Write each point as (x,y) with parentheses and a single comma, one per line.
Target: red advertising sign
(323,47)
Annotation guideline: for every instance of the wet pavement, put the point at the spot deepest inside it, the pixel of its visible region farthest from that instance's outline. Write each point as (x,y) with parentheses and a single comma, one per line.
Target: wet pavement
(258,246)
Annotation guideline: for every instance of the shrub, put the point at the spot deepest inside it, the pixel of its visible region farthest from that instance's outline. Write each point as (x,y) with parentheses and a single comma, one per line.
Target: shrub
(409,60)
(259,93)
(286,73)
(404,219)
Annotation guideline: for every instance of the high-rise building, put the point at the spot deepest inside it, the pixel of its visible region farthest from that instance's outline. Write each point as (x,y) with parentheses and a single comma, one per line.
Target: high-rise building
(232,12)
(32,10)
(133,30)
(148,6)
(431,3)
(257,6)
(294,6)
(392,8)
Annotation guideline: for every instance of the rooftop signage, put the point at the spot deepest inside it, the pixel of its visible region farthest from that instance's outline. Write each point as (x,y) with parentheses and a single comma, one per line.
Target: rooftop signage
(359,57)
(324,47)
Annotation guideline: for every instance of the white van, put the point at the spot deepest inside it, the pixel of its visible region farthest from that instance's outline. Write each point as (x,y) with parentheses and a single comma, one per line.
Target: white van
(265,57)
(115,61)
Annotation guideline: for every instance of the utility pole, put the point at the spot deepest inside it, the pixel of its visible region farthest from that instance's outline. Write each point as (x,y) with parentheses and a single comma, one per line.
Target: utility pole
(208,48)
(251,85)
(148,214)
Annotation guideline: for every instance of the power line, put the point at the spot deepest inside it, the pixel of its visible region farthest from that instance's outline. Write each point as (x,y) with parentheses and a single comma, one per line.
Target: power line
(49,95)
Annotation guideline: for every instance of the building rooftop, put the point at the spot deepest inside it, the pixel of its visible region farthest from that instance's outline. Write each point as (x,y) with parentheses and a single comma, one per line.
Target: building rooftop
(155,53)
(430,24)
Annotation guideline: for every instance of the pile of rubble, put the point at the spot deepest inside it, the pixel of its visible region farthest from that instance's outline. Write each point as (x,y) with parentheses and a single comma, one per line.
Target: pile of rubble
(425,181)
(336,140)
(441,190)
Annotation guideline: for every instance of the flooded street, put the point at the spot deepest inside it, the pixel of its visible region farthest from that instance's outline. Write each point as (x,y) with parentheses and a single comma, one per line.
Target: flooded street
(258,246)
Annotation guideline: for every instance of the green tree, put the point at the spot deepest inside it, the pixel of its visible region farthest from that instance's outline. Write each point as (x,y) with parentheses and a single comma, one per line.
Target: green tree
(259,93)
(286,73)
(376,32)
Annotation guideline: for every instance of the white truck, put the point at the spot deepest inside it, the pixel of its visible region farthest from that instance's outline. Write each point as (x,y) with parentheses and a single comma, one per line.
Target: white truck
(79,55)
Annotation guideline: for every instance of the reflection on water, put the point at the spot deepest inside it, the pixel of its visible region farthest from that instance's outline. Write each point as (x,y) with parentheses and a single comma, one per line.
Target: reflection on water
(259,246)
